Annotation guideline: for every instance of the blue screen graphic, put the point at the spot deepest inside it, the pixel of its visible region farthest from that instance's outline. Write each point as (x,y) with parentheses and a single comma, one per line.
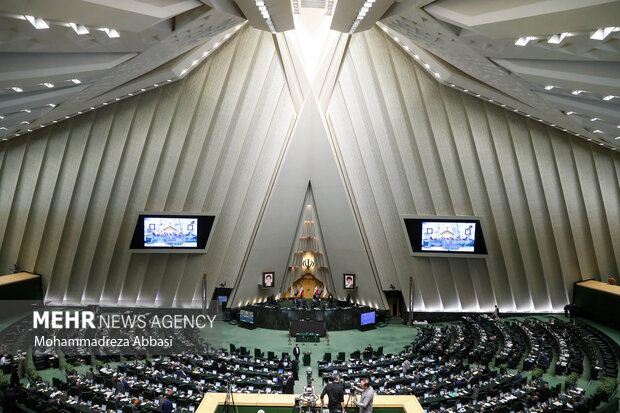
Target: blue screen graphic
(448,236)
(246,316)
(367,318)
(171,232)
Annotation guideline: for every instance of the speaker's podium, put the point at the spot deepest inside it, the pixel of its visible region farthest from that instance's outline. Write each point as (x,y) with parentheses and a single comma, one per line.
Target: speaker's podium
(247,403)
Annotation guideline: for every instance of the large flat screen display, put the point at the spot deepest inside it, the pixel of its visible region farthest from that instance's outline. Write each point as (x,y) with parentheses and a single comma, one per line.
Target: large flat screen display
(170,232)
(246,316)
(175,232)
(367,318)
(449,236)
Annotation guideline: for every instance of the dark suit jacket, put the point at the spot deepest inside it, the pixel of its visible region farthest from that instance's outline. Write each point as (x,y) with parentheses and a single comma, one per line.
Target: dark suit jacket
(166,407)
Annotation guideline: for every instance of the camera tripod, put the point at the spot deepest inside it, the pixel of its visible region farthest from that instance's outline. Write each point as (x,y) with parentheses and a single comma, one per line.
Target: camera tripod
(229,402)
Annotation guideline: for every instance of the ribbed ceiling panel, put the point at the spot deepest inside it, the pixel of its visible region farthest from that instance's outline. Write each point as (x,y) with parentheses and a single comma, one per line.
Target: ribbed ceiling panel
(549,202)
(71,192)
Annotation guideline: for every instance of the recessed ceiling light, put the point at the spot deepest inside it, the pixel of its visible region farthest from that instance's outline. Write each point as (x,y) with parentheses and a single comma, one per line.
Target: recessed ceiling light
(570,112)
(24,122)
(79,29)
(602,33)
(111,33)
(577,92)
(48,85)
(594,119)
(17,89)
(557,38)
(92,108)
(598,131)
(617,137)
(2,117)
(3,128)
(51,104)
(549,87)
(522,41)
(76,81)
(143,90)
(609,97)
(37,22)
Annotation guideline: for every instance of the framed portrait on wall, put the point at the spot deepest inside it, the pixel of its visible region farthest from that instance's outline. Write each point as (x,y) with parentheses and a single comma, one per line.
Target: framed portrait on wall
(348,281)
(268,279)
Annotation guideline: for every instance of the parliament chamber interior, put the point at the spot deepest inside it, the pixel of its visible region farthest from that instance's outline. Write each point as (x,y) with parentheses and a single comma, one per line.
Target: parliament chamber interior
(309,206)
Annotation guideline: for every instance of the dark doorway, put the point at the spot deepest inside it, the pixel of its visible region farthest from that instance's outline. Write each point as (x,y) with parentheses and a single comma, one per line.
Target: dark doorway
(396,303)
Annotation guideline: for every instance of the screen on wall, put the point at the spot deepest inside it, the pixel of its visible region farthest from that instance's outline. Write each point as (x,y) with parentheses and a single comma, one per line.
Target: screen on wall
(172,232)
(448,236)
(246,316)
(445,236)
(367,318)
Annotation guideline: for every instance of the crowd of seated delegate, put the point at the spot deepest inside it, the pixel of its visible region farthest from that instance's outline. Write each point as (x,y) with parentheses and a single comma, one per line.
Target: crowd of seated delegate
(432,367)
(144,386)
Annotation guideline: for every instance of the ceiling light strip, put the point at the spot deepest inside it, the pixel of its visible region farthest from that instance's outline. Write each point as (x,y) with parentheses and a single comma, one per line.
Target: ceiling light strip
(262,8)
(360,15)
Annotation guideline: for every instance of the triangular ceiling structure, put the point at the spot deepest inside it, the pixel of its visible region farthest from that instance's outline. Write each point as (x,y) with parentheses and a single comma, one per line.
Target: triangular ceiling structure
(309,157)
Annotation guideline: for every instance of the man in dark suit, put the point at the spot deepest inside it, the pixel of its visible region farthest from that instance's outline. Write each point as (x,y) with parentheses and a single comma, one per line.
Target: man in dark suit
(289,385)
(296,352)
(166,406)
(474,392)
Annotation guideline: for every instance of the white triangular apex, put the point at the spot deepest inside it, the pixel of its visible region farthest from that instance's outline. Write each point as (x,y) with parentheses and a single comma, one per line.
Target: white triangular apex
(308,158)
(308,254)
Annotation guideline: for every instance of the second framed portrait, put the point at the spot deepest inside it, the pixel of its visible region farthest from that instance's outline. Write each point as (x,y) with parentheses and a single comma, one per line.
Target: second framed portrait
(268,279)
(348,281)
